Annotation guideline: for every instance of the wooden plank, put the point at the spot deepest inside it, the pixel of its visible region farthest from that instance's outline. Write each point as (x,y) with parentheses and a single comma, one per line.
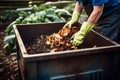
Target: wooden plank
(11,7)
(13,4)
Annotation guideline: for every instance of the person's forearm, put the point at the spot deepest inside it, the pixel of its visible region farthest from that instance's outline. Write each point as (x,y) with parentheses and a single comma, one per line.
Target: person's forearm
(78,7)
(96,14)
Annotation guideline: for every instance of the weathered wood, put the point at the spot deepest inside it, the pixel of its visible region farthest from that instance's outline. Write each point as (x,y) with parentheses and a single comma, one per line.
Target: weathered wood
(13,4)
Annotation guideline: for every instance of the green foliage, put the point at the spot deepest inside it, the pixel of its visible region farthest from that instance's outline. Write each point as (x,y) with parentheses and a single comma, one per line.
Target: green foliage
(10,46)
(63,14)
(41,7)
(46,14)
(8,15)
(9,29)
(70,7)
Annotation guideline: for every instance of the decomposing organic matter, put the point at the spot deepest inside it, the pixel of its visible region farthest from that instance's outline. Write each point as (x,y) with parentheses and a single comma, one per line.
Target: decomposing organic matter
(60,41)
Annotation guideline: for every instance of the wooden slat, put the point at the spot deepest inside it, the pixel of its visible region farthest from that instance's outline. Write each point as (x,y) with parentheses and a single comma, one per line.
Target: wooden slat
(13,4)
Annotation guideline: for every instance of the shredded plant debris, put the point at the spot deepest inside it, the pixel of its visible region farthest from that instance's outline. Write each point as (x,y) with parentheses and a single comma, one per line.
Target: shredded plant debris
(60,41)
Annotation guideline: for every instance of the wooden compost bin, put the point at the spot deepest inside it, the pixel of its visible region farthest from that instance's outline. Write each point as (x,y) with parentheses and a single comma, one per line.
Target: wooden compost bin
(82,64)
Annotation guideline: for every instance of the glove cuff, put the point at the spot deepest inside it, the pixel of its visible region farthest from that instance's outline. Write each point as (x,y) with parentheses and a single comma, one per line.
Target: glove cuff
(86,26)
(75,16)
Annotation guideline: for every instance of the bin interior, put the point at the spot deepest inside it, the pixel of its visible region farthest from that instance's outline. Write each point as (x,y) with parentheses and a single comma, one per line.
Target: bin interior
(30,32)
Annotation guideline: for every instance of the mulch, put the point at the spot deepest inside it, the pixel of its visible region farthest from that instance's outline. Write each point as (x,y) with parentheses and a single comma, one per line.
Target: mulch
(8,62)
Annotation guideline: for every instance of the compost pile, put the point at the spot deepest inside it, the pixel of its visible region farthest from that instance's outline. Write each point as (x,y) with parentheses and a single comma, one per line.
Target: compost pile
(60,41)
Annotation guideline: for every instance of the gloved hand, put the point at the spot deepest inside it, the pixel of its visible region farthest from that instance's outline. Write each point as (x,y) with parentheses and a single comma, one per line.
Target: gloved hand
(73,20)
(80,35)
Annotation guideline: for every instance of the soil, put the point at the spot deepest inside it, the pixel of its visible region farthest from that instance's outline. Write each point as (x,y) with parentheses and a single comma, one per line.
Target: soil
(39,46)
(55,42)
(8,62)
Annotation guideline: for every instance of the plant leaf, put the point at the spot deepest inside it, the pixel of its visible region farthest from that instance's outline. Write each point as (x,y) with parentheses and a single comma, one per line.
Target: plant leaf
(10,38)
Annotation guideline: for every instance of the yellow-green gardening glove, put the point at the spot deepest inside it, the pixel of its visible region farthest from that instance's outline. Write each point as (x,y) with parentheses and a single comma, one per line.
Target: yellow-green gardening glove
(73,20)
(80,35)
